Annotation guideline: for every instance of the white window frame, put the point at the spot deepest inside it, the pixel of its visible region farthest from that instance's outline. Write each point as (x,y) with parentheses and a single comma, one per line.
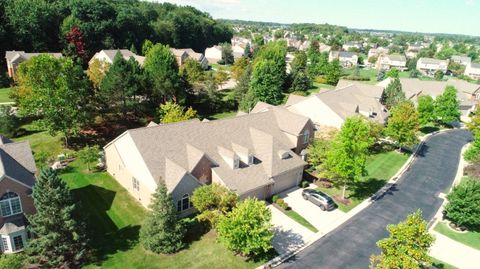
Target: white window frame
(135,184)
(185,200)
(14,245)
(306,137)
(9,201)
(5,244)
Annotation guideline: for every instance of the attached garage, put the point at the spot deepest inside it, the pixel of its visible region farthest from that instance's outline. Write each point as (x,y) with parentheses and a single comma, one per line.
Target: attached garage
(288,180)
(261,193)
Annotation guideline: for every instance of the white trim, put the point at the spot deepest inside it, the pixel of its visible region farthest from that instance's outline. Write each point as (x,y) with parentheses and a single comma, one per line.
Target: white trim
(10,204)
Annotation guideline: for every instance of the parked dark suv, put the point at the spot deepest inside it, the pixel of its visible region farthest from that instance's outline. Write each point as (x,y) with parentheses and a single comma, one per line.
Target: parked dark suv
(319,198)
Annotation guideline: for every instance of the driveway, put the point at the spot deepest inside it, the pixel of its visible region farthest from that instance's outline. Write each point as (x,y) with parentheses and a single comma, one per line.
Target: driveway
(289,234)
(450,251)
(312,213)
(351,244)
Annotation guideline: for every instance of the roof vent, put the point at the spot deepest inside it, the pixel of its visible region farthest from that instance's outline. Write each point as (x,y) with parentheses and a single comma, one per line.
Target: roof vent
(283,154)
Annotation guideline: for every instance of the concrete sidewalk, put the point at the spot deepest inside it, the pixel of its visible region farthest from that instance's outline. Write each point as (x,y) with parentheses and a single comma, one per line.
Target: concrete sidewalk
(454,253)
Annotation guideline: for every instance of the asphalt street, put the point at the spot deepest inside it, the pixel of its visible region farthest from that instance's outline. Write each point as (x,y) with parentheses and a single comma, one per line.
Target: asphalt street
(351,244)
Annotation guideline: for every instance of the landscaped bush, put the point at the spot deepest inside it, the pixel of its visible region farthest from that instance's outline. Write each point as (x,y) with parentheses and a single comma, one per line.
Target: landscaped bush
(274,198)
(357,78)
(305,184)
(282,204)
(463,206)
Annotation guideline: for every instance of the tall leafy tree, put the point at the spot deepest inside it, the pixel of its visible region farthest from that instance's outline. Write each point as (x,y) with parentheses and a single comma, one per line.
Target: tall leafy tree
(447,106)
(247,228)
(301,80)
(9,122)
(347,157)
(56,90)
(463,206)
(403,124)
(161,232)
(426,109)
(241,89)
(192,71)
(213,201)
(275,52)
(162,70)
(172,112)
(60,240)
(393,94)
(227,54)
(407,246)
(88,155)
(333,71)
(96,72)
(239,67)
(75,44)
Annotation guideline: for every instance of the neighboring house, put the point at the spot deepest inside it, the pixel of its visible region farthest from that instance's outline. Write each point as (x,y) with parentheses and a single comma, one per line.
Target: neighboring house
(428,66)
(468,94)
(324,48)
(412,50)
(346,58)
(376,52)
(352,45)
(213,54)
(254,155)
(387,62)
(461,59)
(14,58)
(17,169)
(473,71)
(238,51)
(108,56)
(181,55)
(330,108)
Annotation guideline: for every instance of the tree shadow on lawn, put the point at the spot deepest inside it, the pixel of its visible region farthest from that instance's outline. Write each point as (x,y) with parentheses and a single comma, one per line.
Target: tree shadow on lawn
(105,237)
(428,129)
(366,188)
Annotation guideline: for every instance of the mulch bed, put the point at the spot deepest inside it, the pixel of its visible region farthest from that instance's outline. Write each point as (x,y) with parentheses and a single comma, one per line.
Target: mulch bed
(339,199)
(472,170)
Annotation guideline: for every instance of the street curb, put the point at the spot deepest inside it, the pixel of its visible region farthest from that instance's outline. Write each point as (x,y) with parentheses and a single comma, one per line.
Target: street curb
(280,259)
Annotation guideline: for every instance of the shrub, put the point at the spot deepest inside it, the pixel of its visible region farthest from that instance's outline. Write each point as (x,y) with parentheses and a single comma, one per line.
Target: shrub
(213,201)
(274,198)
(305,184)
(9,123)
(301,93)
(463,206)
(282,204)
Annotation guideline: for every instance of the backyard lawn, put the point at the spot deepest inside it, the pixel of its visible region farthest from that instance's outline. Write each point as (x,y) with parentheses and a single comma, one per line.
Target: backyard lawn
(317,86)
(4,95)
(115,218)
(222,115)
(381,167)
(471,239)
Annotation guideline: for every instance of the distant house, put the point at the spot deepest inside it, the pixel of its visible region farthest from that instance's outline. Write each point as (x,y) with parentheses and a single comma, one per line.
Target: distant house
(346,58)
(428,66)
(238,51)
(324,48)
(107,56)
(387,62)
(473,71)
(17,169)
(376,52)
(254,155)
(413,50)
(330,108)
(461,59)
(14,58)
(181,55)
(352,45)
(213,54)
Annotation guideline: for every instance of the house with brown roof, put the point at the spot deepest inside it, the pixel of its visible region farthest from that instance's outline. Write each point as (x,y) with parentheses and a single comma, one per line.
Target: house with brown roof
(346,58)
(472,70)
(15,58)
(254,155)
(107,56)
(387,62)
(181,55)
(428,66)
(17,178)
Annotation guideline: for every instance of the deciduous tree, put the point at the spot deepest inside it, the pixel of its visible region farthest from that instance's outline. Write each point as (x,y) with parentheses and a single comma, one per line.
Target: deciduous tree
(161,232)
(9,123)
(60,240)
(403,124)
(463,206)
(213,201)
(247,228)
(96,72)
(239,67)
(173,112)
(88,155)
(447,106)
(426,109)
(406,247)
(265,85)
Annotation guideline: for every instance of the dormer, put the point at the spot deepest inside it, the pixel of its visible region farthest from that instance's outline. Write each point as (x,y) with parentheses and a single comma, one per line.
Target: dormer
(245,155)
(232,159)
(284,154)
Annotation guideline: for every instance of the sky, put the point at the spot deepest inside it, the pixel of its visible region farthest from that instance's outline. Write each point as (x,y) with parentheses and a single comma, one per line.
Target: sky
(431,16)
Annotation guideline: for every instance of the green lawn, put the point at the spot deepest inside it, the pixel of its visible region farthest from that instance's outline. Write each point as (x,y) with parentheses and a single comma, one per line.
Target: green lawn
(381,167)
(227,67)
(296,217)
(370,73)
(4,95)
(223,115)
(317,86)
(441,265)
(115,219)
(471,239)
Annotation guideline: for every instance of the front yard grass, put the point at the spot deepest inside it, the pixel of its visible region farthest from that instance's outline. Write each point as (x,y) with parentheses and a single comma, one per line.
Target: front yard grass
(470,238)
(381,167)
(5,95)
(296,217)
(441,265)
(114,219)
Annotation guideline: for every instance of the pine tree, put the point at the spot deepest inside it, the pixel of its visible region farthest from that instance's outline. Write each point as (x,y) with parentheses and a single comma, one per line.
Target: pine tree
(161,232)
(59,239)
(393,94)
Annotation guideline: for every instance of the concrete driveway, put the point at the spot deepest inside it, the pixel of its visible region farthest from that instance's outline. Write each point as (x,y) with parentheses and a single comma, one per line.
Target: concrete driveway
(312,213)
(289,234)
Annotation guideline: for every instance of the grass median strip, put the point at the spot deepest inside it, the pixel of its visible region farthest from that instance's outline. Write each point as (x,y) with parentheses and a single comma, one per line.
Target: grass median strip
(441,265)
(296,217)
(471,239)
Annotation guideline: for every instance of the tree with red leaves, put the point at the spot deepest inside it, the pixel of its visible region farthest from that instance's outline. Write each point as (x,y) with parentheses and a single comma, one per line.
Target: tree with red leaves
(75,44)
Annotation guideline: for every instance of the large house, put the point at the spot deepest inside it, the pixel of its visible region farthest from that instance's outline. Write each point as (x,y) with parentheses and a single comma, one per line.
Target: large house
(213,54)
(387,62)
(472,70)
(461,59)
(254,155)
(181,55)
(346,58)
(17,169)
(428,66)
(377,52)
(14,58)
(107,56)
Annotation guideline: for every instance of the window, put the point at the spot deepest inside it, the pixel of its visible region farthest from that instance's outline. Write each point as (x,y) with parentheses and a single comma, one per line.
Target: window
(184,203)
(236,163)
(136,184)
(5,243)
(18,242)
(10,204)
(306,137)
(250,159)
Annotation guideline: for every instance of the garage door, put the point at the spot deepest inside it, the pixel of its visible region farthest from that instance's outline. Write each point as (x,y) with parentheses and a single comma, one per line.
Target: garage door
(287,181)
(260,193)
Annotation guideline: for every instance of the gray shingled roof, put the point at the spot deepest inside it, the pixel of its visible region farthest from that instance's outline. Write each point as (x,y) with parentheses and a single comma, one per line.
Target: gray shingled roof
(183,144)
(16,161)
(20,56)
